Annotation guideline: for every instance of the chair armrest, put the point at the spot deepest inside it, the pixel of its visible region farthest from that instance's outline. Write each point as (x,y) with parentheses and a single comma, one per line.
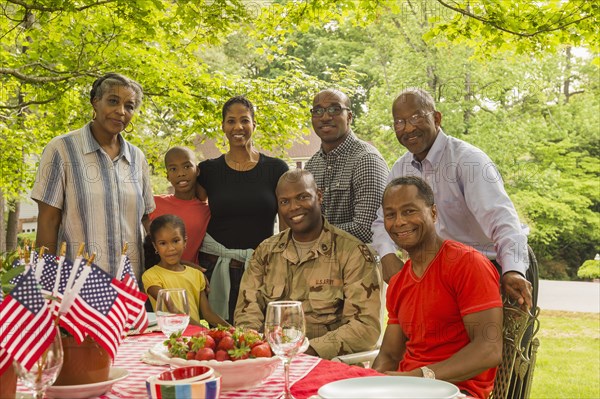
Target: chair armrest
(356,358)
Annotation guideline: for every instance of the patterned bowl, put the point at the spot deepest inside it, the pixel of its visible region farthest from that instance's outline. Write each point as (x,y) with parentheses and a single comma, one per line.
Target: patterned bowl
(239,374)
(208,388)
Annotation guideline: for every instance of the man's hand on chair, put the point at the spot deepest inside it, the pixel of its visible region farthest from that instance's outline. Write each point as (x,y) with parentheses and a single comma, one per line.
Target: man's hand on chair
(518,289)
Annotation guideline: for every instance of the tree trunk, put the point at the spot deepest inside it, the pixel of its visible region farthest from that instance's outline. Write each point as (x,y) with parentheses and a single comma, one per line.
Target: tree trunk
(468,98)
(567,81)
(11,226)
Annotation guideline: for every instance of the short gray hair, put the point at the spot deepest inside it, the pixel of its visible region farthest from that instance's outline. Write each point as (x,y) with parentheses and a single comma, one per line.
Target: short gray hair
(106,82)
(424,98)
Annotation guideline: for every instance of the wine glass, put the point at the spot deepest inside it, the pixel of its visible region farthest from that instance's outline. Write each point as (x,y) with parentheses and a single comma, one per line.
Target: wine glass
(285,331)
(172,310)
(44,370)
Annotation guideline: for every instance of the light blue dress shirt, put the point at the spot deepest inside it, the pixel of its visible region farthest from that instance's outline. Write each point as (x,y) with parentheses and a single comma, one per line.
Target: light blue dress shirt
(473,207)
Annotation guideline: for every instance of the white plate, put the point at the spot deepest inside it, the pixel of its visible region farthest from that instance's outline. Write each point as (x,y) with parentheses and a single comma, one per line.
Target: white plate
(388,387)
(86,390)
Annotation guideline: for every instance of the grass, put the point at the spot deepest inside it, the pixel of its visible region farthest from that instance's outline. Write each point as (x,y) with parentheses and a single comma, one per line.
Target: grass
(568,362)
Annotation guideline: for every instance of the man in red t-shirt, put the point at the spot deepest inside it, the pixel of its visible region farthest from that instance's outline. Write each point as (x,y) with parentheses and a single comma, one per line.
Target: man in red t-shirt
(444,306)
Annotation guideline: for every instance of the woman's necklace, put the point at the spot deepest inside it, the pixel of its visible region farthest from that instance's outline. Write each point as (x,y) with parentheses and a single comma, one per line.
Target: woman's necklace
(241,166)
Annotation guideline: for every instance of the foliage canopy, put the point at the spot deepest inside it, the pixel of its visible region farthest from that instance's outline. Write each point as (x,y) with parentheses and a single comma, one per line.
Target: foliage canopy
(518,79)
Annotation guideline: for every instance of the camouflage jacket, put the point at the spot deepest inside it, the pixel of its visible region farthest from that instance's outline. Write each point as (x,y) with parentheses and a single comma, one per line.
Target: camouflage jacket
(336,281)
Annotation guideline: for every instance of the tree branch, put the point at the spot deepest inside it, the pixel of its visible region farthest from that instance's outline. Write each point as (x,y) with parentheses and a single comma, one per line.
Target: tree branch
(37,79)
(26,104)
(499,27)
(53,9)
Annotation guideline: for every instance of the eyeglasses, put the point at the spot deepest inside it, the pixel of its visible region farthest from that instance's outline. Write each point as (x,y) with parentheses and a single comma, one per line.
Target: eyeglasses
(400,124)
(332,110)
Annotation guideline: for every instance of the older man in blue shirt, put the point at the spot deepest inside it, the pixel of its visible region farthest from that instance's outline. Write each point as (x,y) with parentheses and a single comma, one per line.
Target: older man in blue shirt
(473,206)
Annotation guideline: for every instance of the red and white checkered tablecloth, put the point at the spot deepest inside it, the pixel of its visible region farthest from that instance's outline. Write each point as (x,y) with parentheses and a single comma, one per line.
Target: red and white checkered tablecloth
(134,386)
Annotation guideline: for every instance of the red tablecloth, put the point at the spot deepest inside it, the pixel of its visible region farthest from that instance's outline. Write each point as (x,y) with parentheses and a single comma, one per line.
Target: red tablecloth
(325,372)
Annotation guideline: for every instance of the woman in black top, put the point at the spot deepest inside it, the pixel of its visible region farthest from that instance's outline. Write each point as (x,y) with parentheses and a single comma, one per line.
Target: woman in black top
(241,191)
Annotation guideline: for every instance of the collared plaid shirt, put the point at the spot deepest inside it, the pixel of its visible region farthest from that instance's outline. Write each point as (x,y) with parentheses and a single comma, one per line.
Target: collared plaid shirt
(352,178)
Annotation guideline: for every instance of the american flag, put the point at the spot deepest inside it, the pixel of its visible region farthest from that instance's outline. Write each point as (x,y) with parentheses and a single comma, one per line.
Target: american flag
(48,273)
(17,263)
(5,360)
(27,327)
(100,308)
(138,318)
(65,320)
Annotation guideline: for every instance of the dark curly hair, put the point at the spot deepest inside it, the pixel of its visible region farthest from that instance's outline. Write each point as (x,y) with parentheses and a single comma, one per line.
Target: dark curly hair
(238,100)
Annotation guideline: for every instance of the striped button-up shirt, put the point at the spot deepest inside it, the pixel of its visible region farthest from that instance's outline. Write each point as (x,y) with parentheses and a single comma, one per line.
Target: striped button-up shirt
(102,200)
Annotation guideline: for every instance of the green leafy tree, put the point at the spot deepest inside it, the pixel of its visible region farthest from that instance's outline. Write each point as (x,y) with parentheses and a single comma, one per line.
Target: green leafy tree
(52,50)
(535,117)
(590,269)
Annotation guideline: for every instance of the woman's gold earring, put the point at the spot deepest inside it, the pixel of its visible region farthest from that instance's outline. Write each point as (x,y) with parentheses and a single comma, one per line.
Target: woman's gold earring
(130,130)
(93,114)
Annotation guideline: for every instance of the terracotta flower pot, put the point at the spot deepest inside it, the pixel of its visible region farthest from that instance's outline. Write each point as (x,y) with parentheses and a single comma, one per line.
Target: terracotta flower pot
(8,384)
(87,363)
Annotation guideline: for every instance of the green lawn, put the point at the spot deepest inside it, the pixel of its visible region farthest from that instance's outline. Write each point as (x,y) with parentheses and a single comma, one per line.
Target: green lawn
(568,363)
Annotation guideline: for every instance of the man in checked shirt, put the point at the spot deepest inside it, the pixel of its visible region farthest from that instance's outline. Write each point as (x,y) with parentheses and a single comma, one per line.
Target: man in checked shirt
(351,173)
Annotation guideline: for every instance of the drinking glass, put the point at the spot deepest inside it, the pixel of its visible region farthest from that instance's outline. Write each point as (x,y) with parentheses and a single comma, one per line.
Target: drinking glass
(172,310)
(285,331)
(45,369)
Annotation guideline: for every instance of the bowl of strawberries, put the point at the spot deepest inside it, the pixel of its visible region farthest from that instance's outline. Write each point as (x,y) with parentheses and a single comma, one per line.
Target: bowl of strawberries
(241,356)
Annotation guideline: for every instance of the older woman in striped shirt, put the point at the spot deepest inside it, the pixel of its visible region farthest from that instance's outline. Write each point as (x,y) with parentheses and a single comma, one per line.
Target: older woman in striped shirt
(92,186)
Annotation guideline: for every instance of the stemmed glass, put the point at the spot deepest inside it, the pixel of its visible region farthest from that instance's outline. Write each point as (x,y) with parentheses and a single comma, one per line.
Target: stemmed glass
(45,370)
(285,331)
(172,310)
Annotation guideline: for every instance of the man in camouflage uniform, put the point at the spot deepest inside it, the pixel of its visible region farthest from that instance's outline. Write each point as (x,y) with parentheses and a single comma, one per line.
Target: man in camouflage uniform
(329,270)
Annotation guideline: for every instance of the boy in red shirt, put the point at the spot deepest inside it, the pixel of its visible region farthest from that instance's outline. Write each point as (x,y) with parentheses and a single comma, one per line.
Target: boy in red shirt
(444,306)
(182,170)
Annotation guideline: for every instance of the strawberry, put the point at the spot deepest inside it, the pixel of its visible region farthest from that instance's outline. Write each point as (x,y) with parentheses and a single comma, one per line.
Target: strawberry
(241,353)
(205,354)
(210,342)
(262,350)
(218,333)
(222,355)
(249,337)
(227,343)
(257,342)
(191,355)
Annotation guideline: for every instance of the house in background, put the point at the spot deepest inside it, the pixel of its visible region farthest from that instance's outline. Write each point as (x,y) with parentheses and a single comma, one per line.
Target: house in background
(27,216)
(298,155)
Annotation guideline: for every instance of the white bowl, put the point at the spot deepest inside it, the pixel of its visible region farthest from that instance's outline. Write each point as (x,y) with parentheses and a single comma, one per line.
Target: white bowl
(239,374)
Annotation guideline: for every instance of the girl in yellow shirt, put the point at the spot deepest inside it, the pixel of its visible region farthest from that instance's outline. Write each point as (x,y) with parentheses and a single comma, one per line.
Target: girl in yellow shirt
(168,237)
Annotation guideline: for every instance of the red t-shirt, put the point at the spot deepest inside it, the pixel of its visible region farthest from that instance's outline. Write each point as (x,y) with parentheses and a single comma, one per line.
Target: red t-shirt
(195,215)
(459,281)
